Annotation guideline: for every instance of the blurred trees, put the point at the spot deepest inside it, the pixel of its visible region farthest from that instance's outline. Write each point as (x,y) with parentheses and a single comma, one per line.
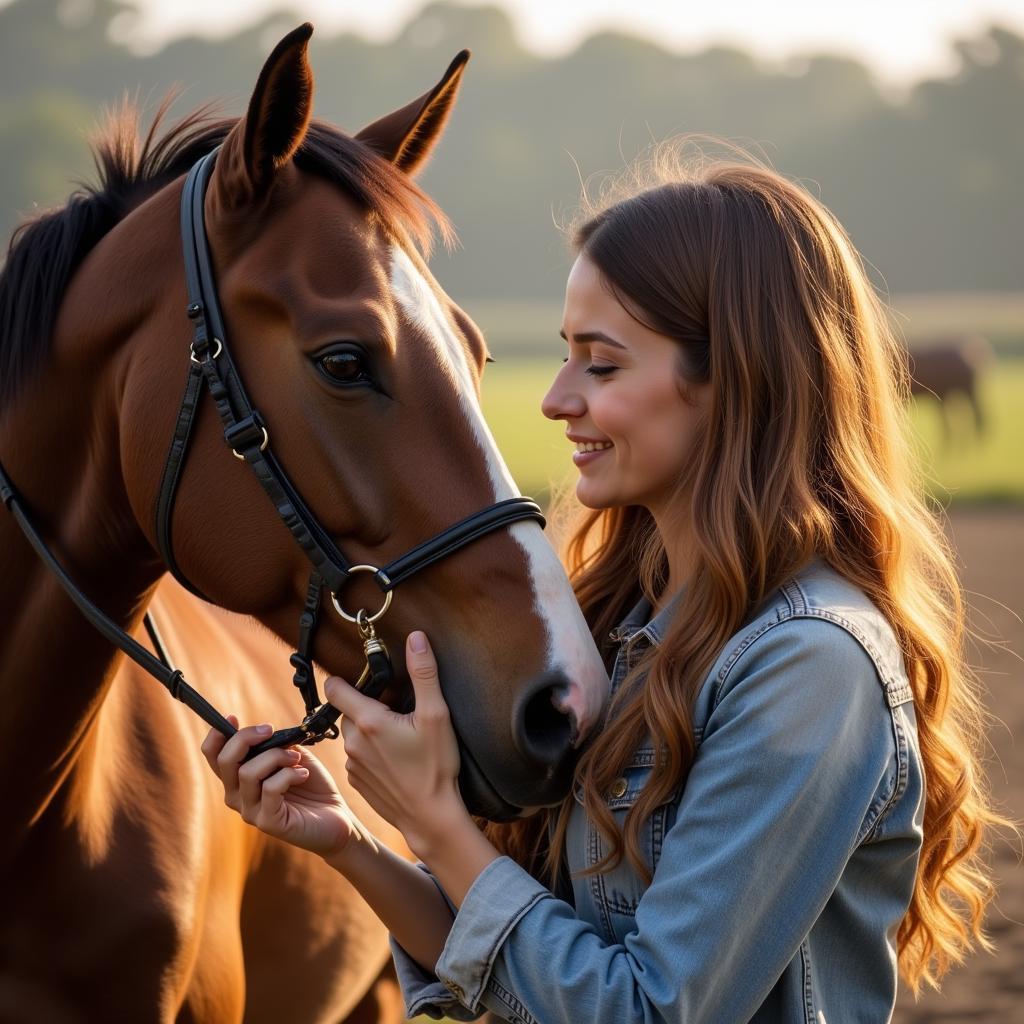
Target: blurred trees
(927,183)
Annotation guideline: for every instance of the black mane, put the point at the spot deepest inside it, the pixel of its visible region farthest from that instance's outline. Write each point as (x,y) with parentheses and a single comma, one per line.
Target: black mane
(45,252)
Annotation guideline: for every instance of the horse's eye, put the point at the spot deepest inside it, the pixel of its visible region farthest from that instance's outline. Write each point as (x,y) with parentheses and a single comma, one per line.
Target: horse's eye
(344,368)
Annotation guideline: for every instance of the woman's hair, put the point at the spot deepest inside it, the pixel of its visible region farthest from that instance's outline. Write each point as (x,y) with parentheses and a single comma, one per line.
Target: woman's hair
(805,453)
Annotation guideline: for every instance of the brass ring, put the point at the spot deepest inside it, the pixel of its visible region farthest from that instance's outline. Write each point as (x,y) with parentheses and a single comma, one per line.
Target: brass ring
(263,446)
(216,352)
(388,594)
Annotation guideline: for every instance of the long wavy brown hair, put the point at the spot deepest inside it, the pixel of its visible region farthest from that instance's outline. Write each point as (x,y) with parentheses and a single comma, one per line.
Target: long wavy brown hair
(805,453)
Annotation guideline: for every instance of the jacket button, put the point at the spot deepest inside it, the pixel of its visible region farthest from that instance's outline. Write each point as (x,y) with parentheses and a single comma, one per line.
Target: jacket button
(619,787)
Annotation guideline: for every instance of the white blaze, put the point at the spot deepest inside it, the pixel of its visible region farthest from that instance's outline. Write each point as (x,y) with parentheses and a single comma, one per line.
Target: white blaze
(569,644)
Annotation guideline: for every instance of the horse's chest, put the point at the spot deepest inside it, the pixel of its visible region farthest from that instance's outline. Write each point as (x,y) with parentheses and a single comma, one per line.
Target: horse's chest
(107,917)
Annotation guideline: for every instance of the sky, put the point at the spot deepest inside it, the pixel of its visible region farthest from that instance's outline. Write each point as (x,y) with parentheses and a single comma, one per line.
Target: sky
(901,40)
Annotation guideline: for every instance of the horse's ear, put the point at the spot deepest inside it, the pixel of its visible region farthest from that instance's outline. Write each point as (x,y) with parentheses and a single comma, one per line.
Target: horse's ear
(407,136)
(273,127)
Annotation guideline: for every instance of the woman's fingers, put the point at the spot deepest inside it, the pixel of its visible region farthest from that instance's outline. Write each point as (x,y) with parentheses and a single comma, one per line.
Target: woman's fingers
(348,700)
(271,811)
(214,742)
(253,776)
(285,792)
(226,756)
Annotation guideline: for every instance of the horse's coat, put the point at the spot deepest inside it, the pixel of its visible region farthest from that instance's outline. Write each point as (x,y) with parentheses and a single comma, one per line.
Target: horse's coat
(569,643)
(130,892)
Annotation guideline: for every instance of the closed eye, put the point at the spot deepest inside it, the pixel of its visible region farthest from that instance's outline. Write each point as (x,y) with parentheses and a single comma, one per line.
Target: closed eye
(595,370)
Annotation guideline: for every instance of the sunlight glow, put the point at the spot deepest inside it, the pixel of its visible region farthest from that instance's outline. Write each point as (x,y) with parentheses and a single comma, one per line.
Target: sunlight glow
(900,41)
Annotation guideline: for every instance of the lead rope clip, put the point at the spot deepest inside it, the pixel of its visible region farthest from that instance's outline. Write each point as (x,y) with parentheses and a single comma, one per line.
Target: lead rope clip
(377,674)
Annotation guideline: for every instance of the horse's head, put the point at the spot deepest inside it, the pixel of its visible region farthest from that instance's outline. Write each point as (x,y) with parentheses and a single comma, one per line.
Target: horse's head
(366,375)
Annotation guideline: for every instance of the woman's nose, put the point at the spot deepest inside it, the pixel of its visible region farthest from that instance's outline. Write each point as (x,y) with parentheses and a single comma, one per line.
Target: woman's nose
(562,402)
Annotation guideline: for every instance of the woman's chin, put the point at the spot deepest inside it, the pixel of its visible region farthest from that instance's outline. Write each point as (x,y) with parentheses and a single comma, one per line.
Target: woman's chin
(595,497)
(587,494)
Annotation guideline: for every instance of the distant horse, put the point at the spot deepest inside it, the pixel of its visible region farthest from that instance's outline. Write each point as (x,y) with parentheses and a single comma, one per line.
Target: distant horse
(943,367)
(129,892)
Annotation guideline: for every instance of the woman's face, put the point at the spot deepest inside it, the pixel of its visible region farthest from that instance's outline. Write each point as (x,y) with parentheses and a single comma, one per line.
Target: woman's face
(619,393)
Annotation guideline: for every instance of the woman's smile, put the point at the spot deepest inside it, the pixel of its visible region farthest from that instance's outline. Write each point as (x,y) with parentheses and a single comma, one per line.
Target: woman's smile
(586,458)
(587,449)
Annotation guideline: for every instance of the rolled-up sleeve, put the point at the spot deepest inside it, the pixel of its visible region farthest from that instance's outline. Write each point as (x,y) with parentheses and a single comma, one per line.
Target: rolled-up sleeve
(794,760)
(423,992)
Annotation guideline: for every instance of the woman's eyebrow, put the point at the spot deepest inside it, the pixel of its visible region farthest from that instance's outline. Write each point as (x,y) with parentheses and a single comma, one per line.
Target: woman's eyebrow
(594,336)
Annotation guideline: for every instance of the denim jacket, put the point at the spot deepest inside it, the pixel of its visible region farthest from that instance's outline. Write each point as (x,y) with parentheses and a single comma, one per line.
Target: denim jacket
(781,870)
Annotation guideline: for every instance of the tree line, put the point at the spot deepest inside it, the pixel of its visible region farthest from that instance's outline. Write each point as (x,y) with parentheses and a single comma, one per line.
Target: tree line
(927,182)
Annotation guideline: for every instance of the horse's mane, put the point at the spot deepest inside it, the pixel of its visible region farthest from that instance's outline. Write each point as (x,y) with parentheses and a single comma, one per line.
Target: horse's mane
(45,252)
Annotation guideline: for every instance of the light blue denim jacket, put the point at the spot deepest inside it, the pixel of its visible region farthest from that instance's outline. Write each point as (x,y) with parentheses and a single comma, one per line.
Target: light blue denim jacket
(781,871)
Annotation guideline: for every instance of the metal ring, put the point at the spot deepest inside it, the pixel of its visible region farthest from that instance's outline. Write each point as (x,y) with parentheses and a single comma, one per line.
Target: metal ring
(216,352)
(388,594)
(263,447)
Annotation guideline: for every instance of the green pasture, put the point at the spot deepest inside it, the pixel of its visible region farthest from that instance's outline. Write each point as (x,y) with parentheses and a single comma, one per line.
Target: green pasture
(968,469)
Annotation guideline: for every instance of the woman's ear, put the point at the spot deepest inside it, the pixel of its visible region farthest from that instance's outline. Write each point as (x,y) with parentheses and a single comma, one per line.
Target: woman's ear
(406,137)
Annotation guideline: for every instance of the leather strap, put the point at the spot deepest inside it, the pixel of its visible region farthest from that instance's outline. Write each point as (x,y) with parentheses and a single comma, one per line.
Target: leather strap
(172,474)
(302,659)
(169,677)
(244,428)
(246,433)
(503,513)
(157,640)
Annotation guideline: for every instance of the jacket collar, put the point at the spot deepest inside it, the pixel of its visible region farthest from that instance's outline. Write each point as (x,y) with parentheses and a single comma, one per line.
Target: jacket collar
(638,622)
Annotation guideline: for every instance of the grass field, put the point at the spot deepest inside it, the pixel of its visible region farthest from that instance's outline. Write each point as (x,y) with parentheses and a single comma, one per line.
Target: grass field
(970,469)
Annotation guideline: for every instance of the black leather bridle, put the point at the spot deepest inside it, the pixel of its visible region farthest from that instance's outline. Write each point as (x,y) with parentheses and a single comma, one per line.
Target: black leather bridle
(247,435)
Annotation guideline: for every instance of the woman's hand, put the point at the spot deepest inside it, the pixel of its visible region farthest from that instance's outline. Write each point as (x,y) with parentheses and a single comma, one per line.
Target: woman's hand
(285,792)
(406,766)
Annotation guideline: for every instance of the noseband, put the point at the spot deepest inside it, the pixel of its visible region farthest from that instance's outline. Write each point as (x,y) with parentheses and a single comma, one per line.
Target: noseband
(247,436)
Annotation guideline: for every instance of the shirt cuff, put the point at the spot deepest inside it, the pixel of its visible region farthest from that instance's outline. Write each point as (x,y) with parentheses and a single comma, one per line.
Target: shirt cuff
(501,894)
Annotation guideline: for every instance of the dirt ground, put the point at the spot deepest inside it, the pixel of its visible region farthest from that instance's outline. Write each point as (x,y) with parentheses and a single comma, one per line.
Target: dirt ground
(990,544)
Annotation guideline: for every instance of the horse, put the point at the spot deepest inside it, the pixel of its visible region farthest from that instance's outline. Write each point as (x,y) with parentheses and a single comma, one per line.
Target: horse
(131,893)
(947,366)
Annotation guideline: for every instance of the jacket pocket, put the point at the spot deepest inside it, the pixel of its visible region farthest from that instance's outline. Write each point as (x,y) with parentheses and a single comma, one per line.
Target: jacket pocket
(620,889)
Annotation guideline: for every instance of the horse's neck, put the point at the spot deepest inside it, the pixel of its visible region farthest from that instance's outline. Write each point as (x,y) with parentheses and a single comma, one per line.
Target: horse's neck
(54,666)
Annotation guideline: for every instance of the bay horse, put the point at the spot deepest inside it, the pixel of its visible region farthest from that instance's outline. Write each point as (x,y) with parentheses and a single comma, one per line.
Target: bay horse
(130,892)
(944,367)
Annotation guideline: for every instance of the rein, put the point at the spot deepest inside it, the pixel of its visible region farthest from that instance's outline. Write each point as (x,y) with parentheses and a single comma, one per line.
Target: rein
(247,436)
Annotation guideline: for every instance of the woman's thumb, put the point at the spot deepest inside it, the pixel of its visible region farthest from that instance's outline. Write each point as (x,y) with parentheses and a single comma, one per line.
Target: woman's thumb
(422,666)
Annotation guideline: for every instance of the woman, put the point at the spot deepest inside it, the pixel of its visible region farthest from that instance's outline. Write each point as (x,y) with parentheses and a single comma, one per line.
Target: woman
(750,836)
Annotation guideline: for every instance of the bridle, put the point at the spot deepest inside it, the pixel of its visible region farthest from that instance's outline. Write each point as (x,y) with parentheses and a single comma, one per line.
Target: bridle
(248,438)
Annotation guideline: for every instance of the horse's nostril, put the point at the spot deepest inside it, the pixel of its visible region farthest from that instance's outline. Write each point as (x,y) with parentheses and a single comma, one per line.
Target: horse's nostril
(543,733)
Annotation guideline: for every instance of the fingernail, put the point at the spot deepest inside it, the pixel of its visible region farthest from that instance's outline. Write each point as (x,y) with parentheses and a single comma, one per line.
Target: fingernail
(418,642)
(264,730)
